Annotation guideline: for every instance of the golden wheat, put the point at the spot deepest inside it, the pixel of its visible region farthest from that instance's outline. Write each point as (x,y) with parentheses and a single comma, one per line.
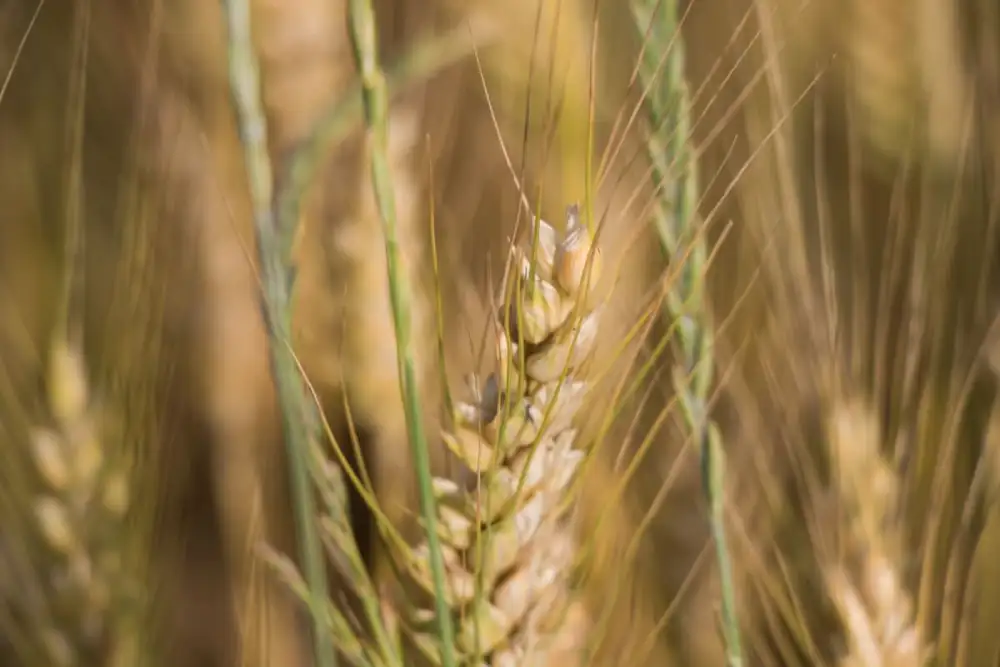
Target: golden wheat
(874,605)
(509,544)
(79,515)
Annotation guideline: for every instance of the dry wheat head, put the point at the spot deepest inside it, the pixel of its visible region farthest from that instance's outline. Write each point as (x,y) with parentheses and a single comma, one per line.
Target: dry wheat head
(509,542)
(867,585)
(79,515)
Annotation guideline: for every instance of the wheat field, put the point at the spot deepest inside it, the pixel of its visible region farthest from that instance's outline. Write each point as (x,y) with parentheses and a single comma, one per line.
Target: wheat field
(565,332)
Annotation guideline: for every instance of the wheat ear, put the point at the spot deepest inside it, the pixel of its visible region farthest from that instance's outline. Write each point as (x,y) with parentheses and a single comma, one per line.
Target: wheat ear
(79,516)
(90,588)
(507,533)
(875,607)
(675,174)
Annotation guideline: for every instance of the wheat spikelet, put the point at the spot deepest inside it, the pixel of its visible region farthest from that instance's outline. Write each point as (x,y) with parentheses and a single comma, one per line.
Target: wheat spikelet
(78,516)
(874,606)
(508,542)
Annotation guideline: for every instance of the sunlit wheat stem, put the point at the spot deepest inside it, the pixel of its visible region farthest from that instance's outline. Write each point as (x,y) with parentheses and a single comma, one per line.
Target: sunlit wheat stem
(361,21)
(426,59)
(277,277)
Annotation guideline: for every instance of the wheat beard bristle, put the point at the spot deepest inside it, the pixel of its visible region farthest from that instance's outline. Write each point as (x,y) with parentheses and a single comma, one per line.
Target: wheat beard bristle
(512,530)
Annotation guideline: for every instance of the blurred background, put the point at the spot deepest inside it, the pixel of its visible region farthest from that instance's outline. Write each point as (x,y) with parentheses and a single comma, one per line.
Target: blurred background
(846,151)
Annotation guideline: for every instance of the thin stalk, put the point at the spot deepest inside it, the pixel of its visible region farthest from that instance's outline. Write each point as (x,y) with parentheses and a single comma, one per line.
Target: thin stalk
(361,20)
(339,120)
(675,175)
(276,276)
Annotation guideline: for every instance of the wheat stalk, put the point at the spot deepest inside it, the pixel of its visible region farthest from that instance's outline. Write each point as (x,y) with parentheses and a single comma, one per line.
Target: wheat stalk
(363,33)
(277,275)
(508,538)
(345,628)
(875,607)
(668,105)
(276,226)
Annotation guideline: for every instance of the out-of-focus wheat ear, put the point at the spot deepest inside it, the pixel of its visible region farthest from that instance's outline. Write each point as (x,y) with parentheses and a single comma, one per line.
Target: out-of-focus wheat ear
(677,220)
(507,526)
(88,565)
(904,77)
(882,79)
(277,277)
(82,506)
(866,585)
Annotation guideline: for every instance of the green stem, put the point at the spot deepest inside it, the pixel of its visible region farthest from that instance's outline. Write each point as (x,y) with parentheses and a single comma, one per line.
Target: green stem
(376,108)
(426,59)
(675,176)
(275,267)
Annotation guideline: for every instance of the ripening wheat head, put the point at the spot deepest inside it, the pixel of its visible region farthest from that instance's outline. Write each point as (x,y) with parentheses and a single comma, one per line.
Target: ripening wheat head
(509,543)
(79,546)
